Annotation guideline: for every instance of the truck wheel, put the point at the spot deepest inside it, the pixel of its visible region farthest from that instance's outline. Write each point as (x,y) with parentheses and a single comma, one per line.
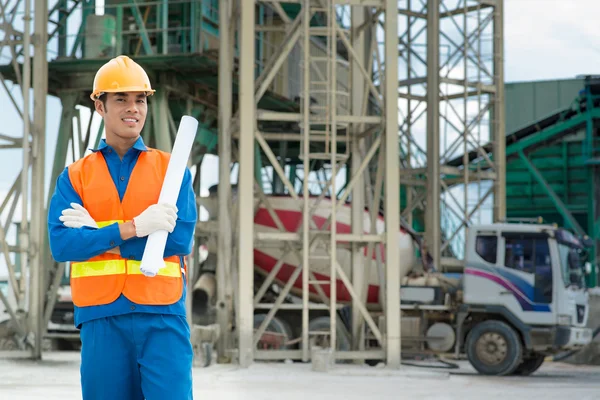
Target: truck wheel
(320,327)
(529,365)
(277,334)
(493,348)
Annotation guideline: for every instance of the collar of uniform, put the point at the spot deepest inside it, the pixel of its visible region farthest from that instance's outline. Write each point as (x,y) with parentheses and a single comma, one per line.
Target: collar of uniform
(138,145)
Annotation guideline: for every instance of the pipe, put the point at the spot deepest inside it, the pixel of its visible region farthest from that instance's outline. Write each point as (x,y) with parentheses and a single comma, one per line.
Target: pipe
(204,292)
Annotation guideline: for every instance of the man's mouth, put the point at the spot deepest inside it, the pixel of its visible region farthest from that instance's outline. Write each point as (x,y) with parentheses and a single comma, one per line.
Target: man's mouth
(130,120)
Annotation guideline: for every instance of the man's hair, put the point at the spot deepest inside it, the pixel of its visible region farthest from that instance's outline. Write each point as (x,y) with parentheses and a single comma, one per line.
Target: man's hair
(102,98)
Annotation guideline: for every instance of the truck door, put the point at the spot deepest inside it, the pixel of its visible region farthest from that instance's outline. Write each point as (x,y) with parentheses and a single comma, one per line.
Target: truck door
(528,276)
(572,296)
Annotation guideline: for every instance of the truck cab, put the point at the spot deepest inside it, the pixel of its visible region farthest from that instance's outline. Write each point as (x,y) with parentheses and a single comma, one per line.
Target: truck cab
(524,296)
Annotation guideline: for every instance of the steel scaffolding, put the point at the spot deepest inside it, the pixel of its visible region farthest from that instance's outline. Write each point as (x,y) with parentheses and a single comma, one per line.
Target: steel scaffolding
(24,39)
(335,120)
(341,124)
(307,91)
(454,46)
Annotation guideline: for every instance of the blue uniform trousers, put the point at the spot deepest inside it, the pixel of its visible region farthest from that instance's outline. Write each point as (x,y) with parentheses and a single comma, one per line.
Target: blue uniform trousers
(136,356)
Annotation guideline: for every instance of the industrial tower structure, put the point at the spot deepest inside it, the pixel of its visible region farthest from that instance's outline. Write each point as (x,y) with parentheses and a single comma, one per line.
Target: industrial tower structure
(292,92)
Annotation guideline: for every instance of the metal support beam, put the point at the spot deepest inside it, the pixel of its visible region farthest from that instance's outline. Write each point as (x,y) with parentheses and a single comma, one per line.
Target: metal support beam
(392,183)
(358,89)
(24,233)
(305,143)
(593,208)
(432,214)
(160,120)
(225,235)
(499,134)
(246,183)
(38,206)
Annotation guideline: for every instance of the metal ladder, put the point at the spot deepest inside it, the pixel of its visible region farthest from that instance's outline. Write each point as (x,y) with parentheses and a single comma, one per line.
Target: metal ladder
(320,140)
(319,85)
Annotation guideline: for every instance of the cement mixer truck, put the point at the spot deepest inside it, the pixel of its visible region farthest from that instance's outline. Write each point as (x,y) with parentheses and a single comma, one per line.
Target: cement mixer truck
(520,295)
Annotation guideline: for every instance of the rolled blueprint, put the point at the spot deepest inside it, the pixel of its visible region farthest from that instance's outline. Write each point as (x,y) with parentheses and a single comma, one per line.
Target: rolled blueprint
(152,259)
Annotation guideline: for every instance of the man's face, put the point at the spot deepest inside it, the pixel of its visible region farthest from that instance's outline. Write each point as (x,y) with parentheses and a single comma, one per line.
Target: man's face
(124,114)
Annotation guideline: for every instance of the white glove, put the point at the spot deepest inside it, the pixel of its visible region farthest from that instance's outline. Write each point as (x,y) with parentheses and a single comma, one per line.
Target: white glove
(77,217)
(155,218)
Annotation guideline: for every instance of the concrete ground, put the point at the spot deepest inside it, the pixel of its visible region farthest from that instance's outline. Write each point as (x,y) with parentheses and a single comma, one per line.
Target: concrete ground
(57,378)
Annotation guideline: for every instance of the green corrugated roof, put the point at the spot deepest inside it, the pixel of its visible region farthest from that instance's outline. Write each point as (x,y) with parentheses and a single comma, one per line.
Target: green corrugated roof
(527,102)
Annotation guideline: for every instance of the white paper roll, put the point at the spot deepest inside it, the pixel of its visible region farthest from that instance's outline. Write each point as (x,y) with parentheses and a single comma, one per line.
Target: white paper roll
(152,259)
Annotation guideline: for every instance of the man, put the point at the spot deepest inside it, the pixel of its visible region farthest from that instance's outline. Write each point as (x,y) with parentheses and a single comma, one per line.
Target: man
(134,333)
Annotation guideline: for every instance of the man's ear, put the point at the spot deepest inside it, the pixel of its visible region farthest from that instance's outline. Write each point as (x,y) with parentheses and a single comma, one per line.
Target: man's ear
(99,106)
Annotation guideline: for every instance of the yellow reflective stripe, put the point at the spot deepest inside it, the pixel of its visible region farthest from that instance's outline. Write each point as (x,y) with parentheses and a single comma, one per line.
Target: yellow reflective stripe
(171,269)
(97,268)
(114,267)
(102,224)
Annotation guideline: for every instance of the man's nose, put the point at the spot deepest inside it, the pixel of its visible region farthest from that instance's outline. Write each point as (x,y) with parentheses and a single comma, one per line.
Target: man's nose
(132,106)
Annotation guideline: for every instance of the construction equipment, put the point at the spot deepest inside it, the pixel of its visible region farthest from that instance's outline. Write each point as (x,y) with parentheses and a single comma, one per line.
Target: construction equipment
(520,297)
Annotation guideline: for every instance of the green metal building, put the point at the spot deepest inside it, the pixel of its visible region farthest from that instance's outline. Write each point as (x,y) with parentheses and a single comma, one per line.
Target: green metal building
(552,154)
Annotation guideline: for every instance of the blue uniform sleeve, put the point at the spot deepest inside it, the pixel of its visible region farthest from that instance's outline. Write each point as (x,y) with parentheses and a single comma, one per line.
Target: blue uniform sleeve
(75,244)
(179,242)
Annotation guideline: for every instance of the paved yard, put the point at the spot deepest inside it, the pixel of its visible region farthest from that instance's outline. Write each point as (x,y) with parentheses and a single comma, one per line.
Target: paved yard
(57,378)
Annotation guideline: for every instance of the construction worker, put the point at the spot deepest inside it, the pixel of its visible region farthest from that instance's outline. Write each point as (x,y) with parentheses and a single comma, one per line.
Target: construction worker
(134,333)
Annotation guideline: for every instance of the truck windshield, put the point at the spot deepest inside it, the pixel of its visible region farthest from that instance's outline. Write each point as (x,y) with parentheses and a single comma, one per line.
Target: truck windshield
(571,265)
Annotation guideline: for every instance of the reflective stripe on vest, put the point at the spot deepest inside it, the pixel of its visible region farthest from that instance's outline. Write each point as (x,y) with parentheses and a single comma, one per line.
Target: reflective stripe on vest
(97,268)
(116,267)
(102,224)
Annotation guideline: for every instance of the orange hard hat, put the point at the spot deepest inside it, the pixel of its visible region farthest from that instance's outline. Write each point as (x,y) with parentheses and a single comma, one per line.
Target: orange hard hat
(121,74)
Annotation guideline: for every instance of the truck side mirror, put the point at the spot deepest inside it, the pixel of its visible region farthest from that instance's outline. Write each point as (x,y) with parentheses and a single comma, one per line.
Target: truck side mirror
(573,260)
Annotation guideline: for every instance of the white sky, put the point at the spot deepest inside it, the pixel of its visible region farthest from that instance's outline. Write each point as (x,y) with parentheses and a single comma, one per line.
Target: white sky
(551,39)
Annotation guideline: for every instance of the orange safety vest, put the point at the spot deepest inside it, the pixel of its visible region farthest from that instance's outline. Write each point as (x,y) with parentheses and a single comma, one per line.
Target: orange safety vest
(102,279)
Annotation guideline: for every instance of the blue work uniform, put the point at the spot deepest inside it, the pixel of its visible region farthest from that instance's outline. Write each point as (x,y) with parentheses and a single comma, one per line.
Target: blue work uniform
(129,351)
